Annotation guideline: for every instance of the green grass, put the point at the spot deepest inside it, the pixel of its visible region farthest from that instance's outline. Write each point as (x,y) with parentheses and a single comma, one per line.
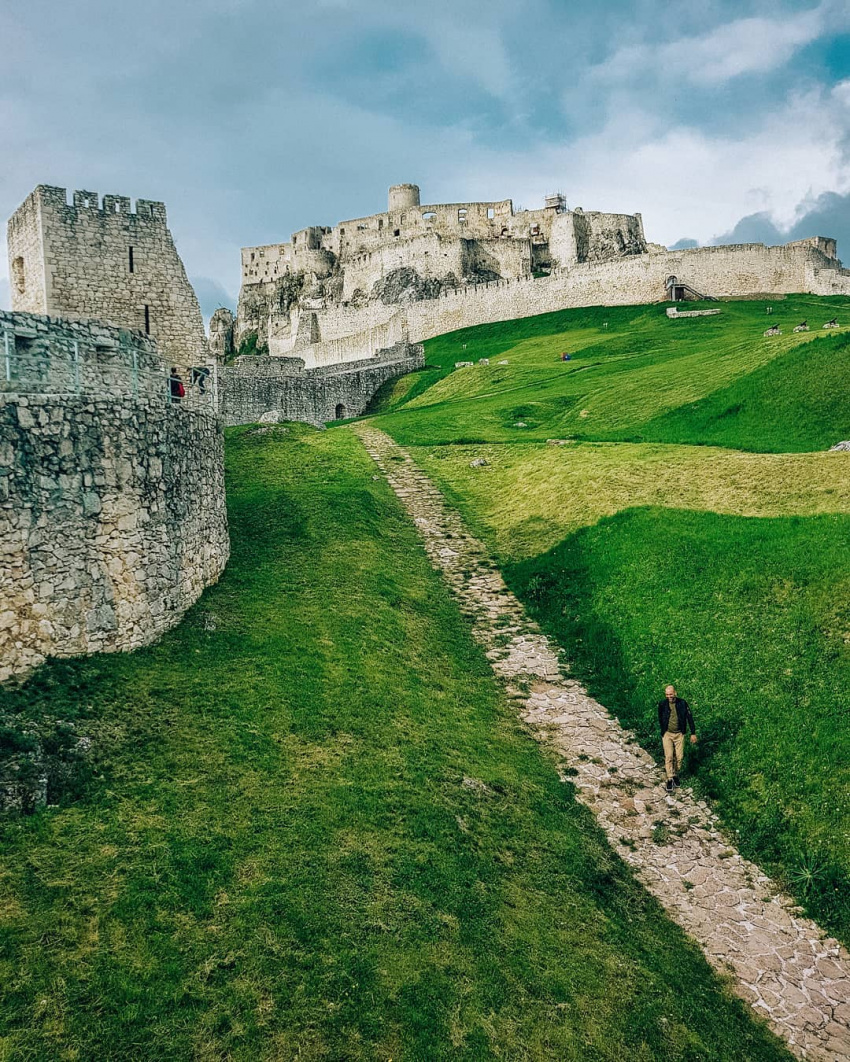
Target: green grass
(686,531)
(529,496)
(630,367)
(798,401)
(749,619)
(278,857)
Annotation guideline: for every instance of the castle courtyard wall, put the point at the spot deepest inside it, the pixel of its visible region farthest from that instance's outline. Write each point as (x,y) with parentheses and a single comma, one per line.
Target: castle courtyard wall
(346,333)
(112,505)
(253,387)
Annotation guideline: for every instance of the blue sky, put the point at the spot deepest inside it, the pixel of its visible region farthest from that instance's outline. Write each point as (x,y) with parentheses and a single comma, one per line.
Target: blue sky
(718,121)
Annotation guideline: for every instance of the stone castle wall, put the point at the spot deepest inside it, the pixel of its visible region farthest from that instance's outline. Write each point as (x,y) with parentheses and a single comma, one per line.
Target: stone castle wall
(112,513)
(254,386)
(45,356)
(105,262)
(740,270)
(397,256)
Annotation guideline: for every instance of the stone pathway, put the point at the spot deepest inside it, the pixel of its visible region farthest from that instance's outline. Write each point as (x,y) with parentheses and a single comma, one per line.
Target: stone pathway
(781,962)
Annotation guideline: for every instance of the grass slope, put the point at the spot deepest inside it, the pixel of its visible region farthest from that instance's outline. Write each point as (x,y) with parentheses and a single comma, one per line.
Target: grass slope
(749,619)
(668,414)
(629,367)
(798,401)
(282,858)
(529,496)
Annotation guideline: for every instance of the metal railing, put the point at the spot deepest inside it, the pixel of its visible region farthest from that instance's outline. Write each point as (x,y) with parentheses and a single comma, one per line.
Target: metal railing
(120,372)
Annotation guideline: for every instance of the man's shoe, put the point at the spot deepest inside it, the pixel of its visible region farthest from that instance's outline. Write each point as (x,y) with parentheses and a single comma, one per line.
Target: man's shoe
(676,781)
(669,785)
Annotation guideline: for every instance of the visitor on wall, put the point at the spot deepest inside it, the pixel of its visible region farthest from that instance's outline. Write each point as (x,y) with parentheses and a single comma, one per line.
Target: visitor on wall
(176,387)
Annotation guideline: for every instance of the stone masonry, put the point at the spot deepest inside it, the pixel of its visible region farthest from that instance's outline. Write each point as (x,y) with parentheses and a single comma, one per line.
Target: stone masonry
(414,251)
(112,503)
(333,295)
(255,386)
(782,964)
(105,262)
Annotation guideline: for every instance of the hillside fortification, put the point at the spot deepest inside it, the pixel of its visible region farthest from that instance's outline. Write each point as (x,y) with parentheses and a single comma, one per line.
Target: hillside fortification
(337,294)
(103,261)
(329,288)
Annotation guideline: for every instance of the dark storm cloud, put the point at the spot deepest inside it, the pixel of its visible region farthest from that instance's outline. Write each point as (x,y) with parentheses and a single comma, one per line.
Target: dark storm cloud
(828,215)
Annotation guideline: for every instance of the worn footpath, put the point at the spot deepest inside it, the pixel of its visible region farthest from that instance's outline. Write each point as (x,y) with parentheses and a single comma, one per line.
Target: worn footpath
(792,974)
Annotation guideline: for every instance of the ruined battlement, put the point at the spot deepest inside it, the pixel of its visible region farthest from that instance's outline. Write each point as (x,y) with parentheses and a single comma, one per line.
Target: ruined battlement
(97,259)
(50,197)
(415,251)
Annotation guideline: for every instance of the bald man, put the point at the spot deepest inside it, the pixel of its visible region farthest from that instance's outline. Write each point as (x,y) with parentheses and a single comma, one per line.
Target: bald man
(674,717)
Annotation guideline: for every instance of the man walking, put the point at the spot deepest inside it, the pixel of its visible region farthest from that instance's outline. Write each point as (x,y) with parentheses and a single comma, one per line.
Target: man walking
(674,717)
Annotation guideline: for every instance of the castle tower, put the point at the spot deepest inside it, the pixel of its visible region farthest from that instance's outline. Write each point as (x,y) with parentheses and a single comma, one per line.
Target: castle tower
(403,196)
(105,263)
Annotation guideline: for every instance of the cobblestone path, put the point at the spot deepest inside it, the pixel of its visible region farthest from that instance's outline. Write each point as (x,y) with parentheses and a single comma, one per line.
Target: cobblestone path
(781,962)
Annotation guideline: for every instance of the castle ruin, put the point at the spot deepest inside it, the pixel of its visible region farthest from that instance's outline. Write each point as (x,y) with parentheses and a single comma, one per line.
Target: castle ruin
(339,294)
(298,295)
(112,509)
(103,261)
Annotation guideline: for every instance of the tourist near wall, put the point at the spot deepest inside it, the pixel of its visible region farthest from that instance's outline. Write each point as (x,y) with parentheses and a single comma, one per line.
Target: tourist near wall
(112,504)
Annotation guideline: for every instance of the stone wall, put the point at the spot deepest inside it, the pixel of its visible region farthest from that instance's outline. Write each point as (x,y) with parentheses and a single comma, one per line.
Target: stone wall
(347,332)
(452,244)
(254,386)
(105,262)
(40,355)
(112,504)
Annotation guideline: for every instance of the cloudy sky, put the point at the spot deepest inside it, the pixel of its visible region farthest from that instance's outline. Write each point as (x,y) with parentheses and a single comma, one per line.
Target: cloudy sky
(721,121)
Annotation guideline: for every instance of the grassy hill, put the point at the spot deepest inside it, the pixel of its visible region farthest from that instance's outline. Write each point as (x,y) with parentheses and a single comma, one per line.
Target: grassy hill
(316,829)
(630,367)
(687,530)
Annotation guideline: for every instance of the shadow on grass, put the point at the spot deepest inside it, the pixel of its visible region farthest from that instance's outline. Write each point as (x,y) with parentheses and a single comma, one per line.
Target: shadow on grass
(733,611)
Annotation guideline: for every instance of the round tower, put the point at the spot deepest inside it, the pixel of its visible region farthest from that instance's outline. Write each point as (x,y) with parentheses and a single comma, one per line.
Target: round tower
(403,196)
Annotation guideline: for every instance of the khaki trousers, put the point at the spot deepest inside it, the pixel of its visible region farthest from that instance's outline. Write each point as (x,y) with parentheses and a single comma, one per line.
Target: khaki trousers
(674,747)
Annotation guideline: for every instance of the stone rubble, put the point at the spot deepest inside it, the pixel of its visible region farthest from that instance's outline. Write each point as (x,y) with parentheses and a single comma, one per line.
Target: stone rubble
(791,973)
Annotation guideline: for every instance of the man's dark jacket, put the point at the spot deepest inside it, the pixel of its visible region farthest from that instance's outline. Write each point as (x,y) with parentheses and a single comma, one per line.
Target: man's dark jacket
(685,718)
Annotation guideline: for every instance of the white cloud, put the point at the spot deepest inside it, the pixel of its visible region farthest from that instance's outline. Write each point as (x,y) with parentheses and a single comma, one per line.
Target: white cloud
(744,46)
(683,180)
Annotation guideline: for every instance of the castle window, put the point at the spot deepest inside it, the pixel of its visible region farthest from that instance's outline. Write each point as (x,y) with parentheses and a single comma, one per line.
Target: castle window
(18,276)
(380,224)
(342,232)
(461,214)
(396,232)
(131,263)
(339,412)
(429,215)
(491,213)
(147,320)
(362,228)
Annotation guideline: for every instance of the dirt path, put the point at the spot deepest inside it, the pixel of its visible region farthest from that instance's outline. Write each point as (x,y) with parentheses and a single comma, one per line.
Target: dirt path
(782,963)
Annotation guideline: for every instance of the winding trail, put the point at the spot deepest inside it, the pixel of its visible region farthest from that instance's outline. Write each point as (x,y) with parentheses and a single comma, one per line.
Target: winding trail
(792,974)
